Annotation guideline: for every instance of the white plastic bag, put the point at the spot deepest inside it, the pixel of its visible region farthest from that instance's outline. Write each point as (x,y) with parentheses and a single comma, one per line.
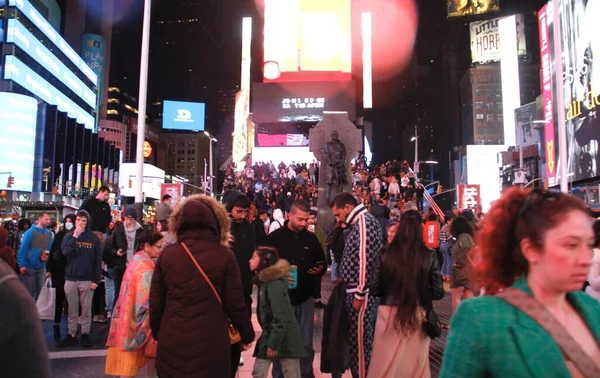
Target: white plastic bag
(45,302)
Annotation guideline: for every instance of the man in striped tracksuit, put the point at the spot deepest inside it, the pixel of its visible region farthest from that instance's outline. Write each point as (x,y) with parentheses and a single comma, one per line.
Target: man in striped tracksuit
(361,253)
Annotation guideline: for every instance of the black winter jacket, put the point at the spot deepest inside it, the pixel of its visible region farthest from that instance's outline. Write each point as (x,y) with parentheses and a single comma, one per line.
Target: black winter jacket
(304,250)
(335,345)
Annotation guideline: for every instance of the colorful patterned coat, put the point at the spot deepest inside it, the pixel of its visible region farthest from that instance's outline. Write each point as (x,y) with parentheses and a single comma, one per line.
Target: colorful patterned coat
(130,326)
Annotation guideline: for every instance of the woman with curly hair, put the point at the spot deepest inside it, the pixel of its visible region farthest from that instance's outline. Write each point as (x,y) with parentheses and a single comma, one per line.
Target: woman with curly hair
(534,320)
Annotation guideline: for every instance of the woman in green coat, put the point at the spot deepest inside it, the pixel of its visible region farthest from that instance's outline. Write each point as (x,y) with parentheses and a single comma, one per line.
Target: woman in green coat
(281,338)
(536,251)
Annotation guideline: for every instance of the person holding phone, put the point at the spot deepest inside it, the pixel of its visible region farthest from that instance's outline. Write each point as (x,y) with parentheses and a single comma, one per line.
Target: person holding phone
(302,249)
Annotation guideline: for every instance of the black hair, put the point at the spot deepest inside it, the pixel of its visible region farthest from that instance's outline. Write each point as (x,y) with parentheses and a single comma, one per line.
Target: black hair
(314,213)
(268,256)
(242,201)
(103,189)
(301,205)
(149,236)
(432,217)
(461,225)
(596,228)
(343,199)
(164,224)
(166,197)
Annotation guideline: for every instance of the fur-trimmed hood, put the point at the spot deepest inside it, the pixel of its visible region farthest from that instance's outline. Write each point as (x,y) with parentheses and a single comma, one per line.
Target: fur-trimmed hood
(276,271)
(201,212)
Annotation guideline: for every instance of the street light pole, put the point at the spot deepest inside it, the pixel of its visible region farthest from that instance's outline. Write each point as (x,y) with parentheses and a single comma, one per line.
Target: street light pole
(416,140)
(210,152)
(143,93)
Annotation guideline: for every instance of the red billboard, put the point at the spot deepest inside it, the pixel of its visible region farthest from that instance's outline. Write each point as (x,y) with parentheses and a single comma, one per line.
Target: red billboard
(307,40)
(469,196)
(174,190)
(547,100)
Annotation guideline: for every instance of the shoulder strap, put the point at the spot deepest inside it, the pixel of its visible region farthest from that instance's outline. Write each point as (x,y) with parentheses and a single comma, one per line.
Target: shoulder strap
(570,348)
(202,272)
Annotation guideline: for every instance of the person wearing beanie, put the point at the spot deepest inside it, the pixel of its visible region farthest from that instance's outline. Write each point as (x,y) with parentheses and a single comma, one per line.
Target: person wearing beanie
(56,266)
(125,241)
(82,275)
(237,205)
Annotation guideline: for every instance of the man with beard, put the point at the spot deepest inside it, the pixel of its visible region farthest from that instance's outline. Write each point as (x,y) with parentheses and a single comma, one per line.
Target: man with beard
(238,207)
(302,249)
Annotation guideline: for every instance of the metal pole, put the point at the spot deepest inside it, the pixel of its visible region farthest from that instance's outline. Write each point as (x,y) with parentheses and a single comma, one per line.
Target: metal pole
(205,183)
(416,165)
(560,103)
(210,151)
(141,125)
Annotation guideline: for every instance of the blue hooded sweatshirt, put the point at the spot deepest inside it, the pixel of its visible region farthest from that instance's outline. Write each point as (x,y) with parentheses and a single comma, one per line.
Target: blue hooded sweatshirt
(35,240)
(84,254)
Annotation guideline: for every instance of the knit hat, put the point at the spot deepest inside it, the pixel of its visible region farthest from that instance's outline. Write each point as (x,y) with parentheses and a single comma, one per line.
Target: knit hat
(130,212)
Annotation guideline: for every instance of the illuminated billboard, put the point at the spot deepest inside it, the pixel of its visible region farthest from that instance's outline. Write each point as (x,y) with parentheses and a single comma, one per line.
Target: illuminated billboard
(307,40)
(18,118)
(181,115)
(581,79)
(545,24)
(40,22)
(240,128)
(18,72)
(18,34)
(301,102)
(461,8)
(483,169)
(485,40)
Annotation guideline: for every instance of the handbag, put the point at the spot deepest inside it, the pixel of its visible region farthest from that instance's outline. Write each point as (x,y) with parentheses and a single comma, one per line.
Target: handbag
(46,300)
(570,348)
(234,333)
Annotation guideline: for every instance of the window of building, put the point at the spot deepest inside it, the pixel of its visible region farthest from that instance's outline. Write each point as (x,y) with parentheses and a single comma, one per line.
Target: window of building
(478,92)
(191,160)
(480,130)
(480,116)
(479,105)
(490,117)
(500,118)
(180,144)
(191,152)
(191,144)
(499,105)
(112,111)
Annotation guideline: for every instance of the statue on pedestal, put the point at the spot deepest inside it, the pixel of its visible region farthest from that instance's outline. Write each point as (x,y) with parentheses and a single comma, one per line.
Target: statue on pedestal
(334,156)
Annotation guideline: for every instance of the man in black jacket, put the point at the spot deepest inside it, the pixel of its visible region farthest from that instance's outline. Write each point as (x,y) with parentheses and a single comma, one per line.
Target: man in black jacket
(99,210)
(238,206)
(304,252)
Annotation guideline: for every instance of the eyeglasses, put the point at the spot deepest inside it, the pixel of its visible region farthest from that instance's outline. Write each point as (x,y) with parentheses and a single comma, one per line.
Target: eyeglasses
(160,247)
(239,212)
(537,196)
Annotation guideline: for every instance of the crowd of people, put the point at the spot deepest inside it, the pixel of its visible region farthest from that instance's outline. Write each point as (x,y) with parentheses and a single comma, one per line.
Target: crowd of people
(183,288)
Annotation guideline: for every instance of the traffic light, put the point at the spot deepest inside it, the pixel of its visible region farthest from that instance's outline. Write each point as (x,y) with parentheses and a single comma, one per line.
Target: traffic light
(11,181)
(440,189)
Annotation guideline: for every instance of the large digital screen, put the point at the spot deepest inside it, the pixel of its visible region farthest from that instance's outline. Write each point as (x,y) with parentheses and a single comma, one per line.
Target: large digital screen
(485,40)
(93,51)
(19,35)
(18,118)
(483,169)
(301,102)
(527,133)
(461,8)
(307,40)
(283,134)
(181,115)
(40,22)
(581,78)
(17,71)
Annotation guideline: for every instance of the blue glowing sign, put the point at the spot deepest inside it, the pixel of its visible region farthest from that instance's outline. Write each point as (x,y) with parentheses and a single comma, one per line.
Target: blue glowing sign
(38,20)
(93,51)
(19,35)
(180,115)
(18,118)
(17,71)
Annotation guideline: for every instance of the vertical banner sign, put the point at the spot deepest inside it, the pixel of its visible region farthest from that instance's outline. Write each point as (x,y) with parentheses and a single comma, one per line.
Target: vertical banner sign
(93,52)
(174,190)
(547,100)
(469,196)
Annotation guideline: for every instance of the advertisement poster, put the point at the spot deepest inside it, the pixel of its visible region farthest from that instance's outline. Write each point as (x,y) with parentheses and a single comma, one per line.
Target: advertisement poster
(485,40)
(93,52)
(174,190)
(240,131)
(581,67)
(307,40)
(462,8)
(469,196)
(526,131)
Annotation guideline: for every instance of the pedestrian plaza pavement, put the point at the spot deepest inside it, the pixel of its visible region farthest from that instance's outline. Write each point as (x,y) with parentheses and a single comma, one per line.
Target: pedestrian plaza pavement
(75,362)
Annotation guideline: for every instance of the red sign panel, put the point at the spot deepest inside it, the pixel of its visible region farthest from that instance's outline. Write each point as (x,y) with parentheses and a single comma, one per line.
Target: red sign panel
(469,196)
(547,100)
(174,190)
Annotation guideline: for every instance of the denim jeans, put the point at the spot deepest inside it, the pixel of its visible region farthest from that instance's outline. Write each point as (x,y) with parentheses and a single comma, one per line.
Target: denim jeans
(447,264)
(33,279)
(109,290)
(305,313)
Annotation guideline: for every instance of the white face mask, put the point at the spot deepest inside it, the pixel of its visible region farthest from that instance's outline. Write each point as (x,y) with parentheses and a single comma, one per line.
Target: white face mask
(69,226)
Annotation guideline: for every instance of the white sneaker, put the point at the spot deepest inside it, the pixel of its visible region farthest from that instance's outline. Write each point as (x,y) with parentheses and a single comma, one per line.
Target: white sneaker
(241,361)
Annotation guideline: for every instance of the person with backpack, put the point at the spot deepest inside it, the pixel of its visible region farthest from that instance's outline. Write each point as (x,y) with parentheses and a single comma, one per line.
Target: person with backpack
(281,338)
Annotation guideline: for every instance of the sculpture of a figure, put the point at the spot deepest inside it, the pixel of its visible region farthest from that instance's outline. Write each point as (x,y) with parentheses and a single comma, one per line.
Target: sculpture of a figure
(334,156)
